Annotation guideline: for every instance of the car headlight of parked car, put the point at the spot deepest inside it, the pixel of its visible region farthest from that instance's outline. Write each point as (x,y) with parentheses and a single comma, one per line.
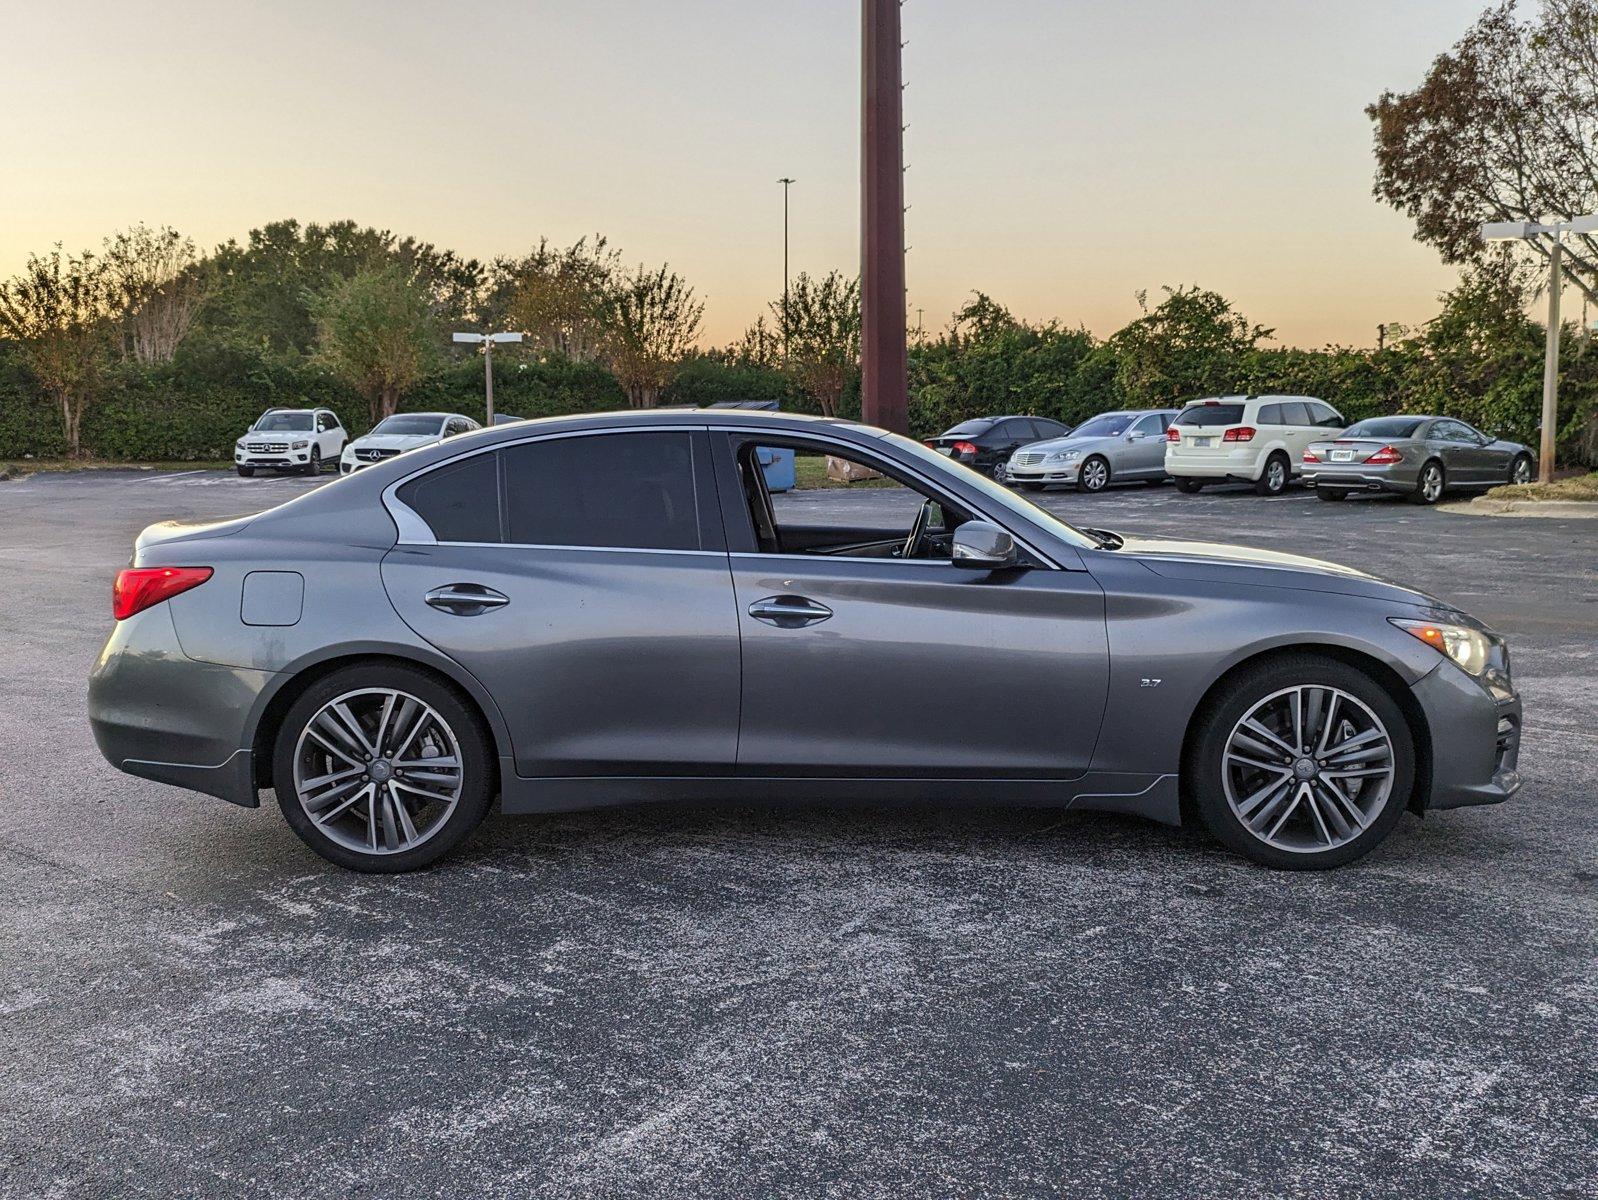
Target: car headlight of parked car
(1065,456)
(301,445)
(1470,649)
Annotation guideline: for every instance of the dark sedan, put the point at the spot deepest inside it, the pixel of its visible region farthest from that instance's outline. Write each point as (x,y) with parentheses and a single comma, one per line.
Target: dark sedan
(1417,457)
(986,443)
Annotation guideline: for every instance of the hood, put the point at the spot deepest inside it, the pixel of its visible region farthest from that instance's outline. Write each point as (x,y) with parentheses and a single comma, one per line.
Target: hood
(1219,562)
(394,441)
(1055,445)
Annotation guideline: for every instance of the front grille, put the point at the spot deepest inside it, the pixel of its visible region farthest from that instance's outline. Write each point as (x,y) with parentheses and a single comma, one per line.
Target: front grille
(1028,460)
(267,447)
(375,455)
(1507,750)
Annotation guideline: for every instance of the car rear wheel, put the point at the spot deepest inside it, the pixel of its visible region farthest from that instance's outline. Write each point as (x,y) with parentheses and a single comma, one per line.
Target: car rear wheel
(383,768)
(1188,487)
(1094,475)
(1273,479)
(1520,469)
(246,472)
(1302,763)
(1429,485)
(1326,493)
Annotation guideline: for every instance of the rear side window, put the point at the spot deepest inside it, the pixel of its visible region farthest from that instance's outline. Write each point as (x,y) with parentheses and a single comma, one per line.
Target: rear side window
(1296,412)
(621,490)
(1210,414)
(460,501)
(1271,414)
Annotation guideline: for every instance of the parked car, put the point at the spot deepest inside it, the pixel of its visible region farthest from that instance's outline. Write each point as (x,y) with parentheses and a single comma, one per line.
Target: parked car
(290,439)
(606,608)
(1419,457)
(986,443)
(1250,439)
(1112,447)
(399,433)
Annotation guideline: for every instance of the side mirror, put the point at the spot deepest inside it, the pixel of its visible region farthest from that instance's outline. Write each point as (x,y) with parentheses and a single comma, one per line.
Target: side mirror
(982,546)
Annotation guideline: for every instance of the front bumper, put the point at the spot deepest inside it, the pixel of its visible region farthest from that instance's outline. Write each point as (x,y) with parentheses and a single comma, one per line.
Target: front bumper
(1475,739)
(1045,473)
(161,715)
(268,460)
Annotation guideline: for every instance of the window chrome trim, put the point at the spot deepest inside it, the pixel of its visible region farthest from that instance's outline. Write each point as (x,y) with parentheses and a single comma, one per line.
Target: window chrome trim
(413,531)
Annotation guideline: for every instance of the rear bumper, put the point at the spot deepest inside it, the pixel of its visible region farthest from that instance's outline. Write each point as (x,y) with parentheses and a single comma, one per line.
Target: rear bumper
(1475,740)
(158,714)
(1241,466)
(1359,478)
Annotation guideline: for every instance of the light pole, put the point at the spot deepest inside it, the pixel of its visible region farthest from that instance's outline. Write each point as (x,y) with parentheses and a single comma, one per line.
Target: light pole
(1512,231)
(786,184)
(487,340)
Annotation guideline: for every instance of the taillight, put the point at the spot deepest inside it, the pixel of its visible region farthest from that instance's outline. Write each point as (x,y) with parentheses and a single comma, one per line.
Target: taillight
(1243,433)
(1385,455)
(1173,434)
(1311,456)
(137,588)
(964,448)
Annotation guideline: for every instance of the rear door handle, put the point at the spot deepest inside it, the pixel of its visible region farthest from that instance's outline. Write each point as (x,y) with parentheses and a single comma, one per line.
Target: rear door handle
(466,599)
(789,612)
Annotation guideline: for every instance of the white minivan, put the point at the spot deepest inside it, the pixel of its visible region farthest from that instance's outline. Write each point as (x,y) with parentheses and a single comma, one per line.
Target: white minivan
(1249,439)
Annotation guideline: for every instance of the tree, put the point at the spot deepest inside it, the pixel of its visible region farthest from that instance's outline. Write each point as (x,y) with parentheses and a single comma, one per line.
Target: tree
(377,333)
(1192,344)
(57,312)
(651,321)
(1504,127)
(556,297)
(157,279)
(818,330)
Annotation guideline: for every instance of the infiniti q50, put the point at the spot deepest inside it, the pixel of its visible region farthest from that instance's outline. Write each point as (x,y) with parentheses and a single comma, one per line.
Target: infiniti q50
(606,609)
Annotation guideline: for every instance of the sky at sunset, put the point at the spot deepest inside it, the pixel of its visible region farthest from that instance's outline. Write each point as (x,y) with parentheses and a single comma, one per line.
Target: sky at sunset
(1064,154)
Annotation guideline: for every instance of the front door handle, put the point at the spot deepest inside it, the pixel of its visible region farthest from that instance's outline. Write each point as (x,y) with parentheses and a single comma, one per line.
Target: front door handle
(789,612)
(466,599)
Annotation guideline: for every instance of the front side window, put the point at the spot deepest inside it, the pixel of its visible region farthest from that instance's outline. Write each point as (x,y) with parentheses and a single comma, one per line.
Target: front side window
(621,490)
(1149,426)
(1107,425)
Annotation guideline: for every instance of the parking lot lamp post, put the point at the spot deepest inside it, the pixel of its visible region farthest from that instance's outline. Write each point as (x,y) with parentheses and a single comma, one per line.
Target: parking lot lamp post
(487,340)
(1510,231)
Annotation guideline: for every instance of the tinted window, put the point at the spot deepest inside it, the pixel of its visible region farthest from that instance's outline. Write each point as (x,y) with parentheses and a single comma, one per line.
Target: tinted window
(627,490)
(1270,414)
(969,429)
(1210,414)
(1151,426)
(1050,429)
(1453,431)
(459,502)
(1296,412)
(1325,414)
(1386,427)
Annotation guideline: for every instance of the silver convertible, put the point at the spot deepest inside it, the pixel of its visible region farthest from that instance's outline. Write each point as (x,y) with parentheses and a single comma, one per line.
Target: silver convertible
(611,608)
(1417,457)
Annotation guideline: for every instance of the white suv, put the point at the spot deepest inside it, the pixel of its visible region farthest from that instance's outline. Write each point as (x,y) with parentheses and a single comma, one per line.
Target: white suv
(299,439)
(1252,439)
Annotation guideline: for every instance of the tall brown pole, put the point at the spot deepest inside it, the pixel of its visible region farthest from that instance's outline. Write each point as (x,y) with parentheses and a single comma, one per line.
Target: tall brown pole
(883,363)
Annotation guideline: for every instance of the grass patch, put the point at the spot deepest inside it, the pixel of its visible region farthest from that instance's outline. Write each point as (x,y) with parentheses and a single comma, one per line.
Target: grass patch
(810,471)
(1577,487)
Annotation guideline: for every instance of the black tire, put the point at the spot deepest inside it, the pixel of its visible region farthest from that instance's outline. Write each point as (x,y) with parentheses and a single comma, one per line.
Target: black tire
(479,782)
(314,467)
(246,472)
(1276,475)
(1188,487)
(1094,475)
(1426,491)
(1030,487)
(1202,760)
(1326,493)
(1522,465)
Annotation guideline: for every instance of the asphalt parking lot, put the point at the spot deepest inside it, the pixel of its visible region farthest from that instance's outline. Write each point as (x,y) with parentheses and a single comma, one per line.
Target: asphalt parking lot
(753,1001)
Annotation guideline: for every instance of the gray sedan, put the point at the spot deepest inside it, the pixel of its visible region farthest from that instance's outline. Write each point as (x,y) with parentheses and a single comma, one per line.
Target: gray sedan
(604,609)
(1417,457)
(1111,448)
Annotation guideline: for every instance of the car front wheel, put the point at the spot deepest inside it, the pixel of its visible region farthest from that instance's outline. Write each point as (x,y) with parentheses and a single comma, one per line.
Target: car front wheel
(1188,487)
(1301,763)
(1520,470)
(1094,475)
(383,768)
(246,472)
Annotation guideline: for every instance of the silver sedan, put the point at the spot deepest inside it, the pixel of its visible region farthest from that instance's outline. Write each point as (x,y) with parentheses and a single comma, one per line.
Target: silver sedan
(1419,457)
(1112,447)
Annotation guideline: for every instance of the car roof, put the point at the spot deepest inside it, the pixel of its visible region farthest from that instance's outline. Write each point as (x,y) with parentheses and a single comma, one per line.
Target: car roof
(438,416)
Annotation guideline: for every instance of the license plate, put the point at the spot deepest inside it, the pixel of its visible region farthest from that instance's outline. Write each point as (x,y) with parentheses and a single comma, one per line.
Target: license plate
(1342,456)
(949,450)
(1209,441)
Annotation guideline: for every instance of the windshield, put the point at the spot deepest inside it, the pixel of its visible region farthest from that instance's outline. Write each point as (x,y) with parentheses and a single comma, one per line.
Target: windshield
(1109,425)
(1210,414)
(997,493)
(969,429)
(1384,427)
(285,422)
(409,423)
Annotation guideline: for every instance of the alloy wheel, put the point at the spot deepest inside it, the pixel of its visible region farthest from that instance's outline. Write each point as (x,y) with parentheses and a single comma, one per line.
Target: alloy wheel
(378,771)
(1522,471)
(1275,475)
(1308,769)
(1095,475)
(1431,484)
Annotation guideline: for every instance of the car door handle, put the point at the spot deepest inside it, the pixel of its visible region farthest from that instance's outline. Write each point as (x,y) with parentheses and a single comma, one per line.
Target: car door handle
(789,612)
(466,599)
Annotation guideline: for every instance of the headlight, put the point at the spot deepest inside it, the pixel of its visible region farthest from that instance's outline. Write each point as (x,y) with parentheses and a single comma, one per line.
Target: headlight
(301,445)
(1065,456)
(1470,649)
(239,443)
